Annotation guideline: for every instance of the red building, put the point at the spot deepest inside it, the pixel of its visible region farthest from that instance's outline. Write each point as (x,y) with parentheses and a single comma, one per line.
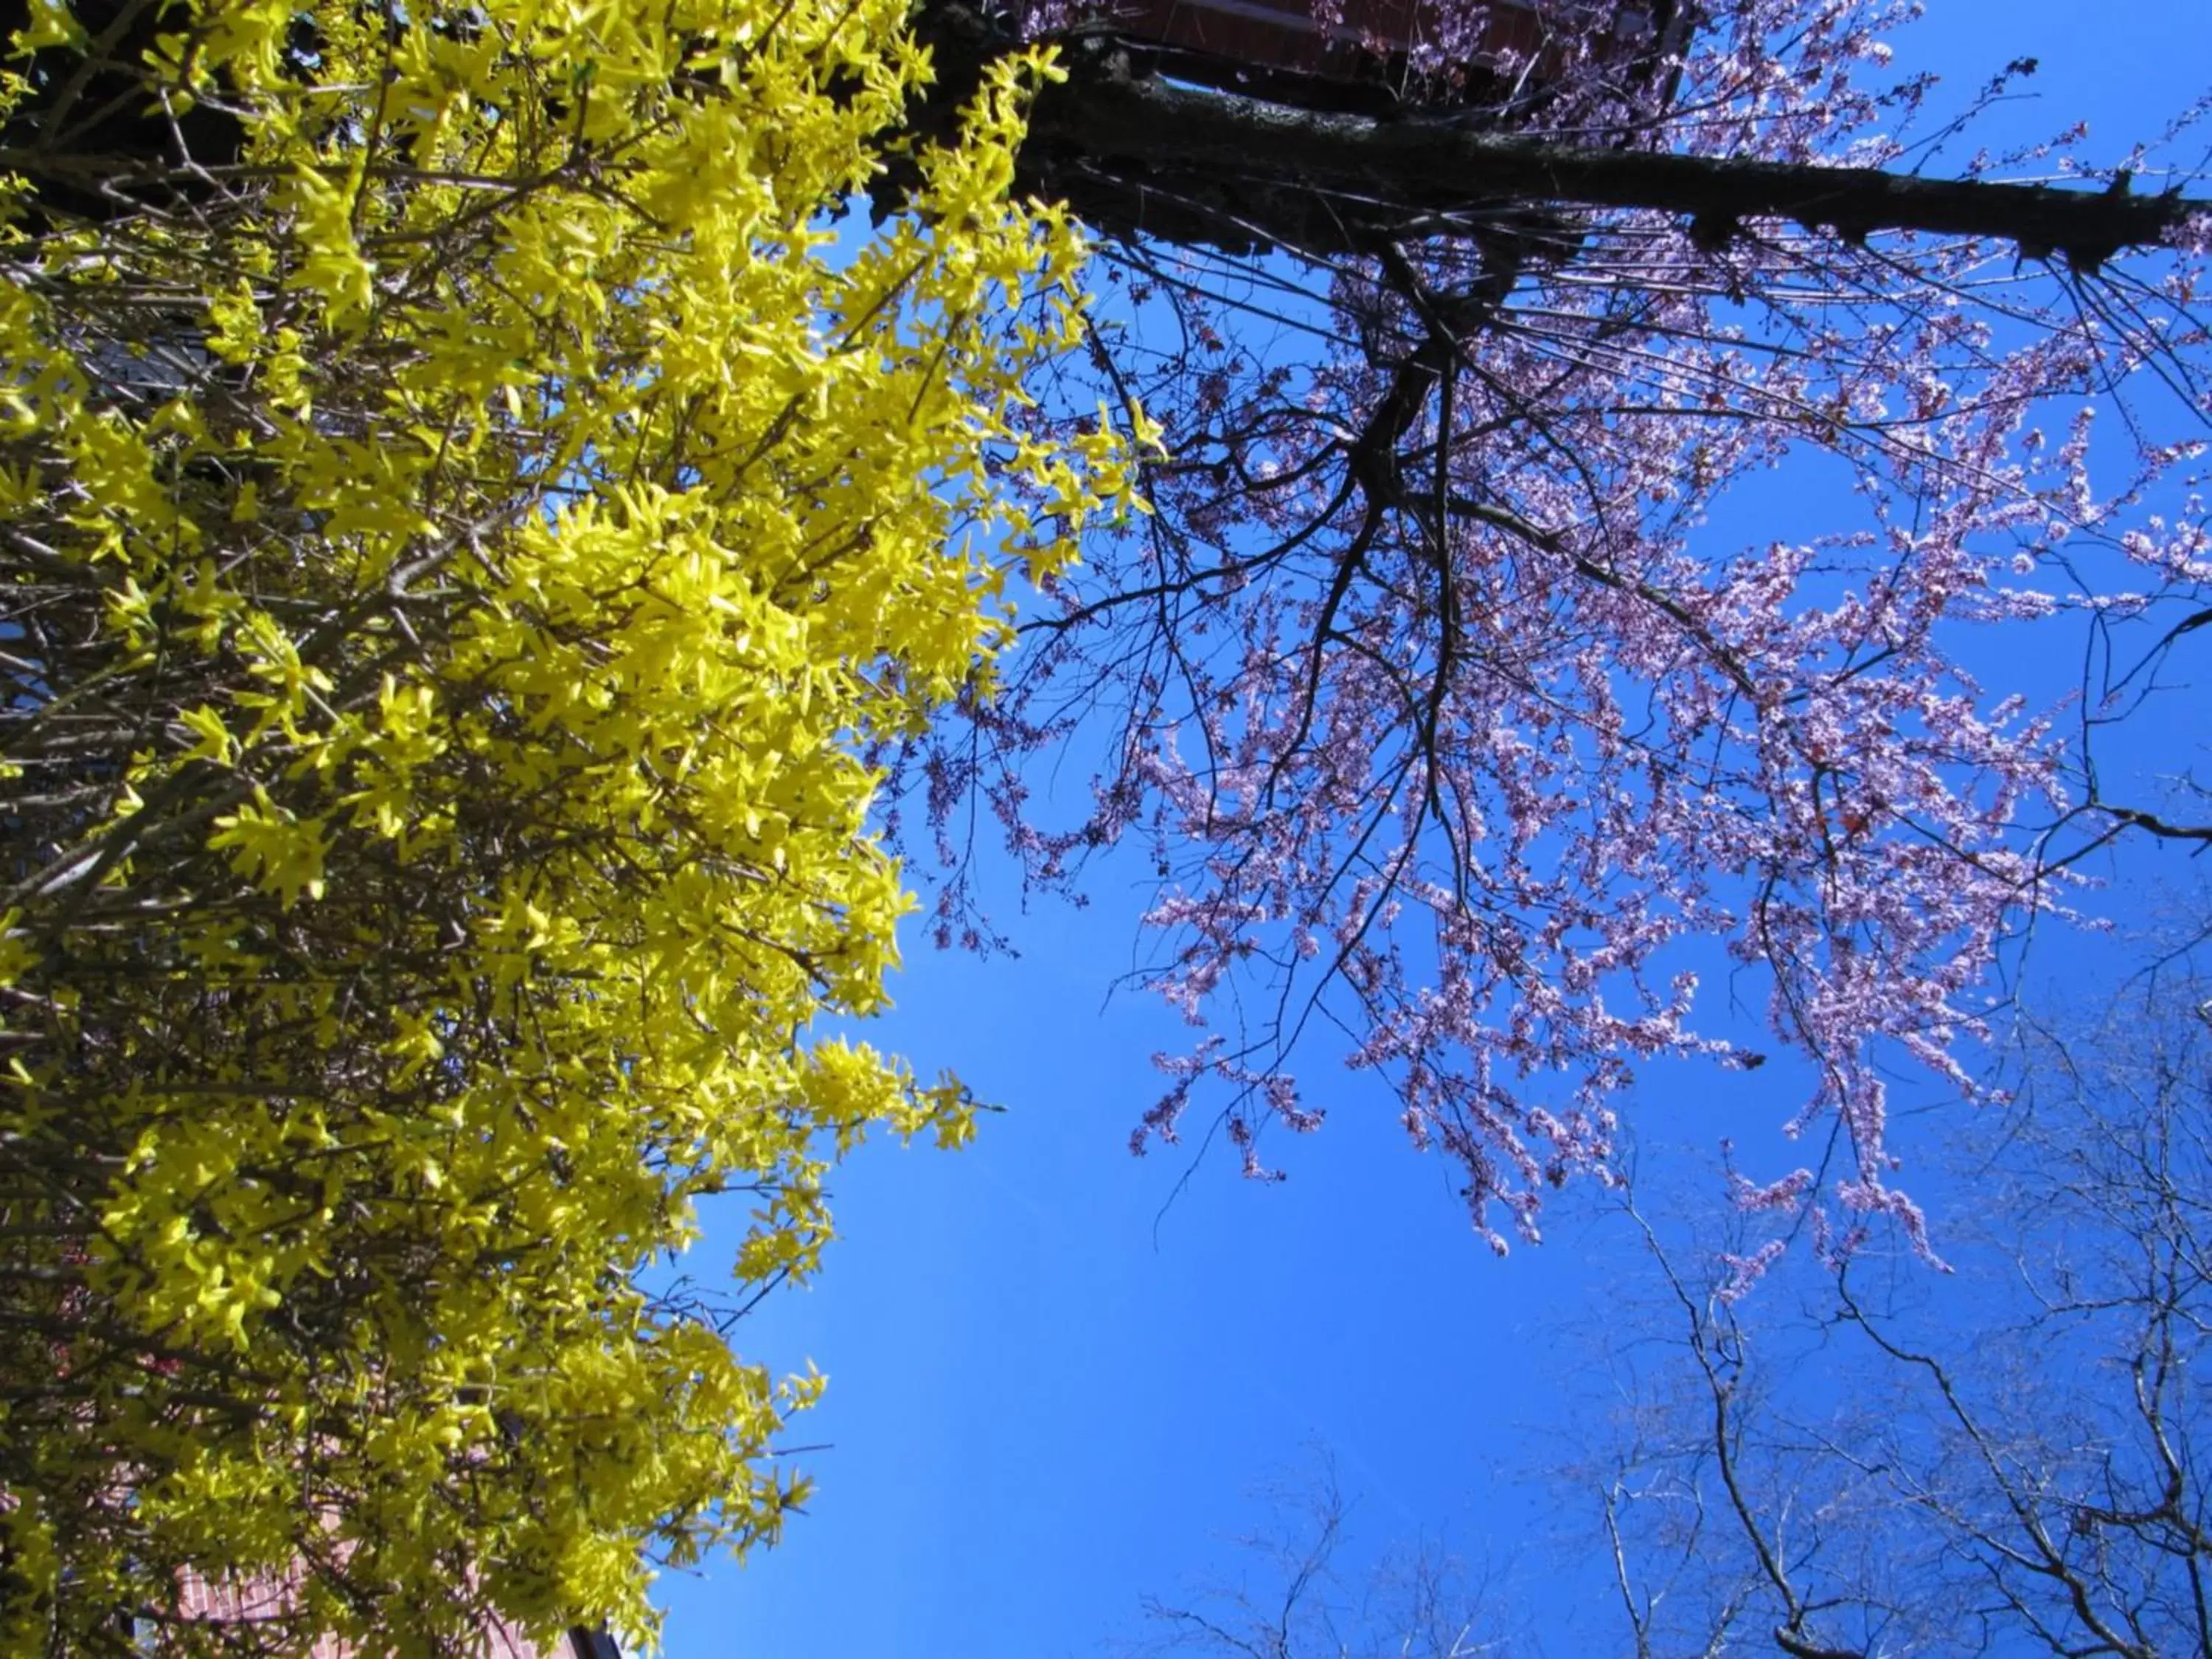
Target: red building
(264,1603)
(1452,51)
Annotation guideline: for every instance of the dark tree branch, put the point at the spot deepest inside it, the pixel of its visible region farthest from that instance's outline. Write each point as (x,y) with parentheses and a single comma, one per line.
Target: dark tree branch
(1100,137)
(2164,829)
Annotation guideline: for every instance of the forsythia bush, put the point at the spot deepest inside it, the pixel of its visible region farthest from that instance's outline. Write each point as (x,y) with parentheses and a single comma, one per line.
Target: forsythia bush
(453,547)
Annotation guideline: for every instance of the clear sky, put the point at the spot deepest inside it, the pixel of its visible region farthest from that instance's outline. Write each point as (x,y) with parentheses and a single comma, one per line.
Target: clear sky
(1057,1372)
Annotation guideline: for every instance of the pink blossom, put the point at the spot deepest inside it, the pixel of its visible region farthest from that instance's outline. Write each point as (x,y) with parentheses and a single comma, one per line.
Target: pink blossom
(1474,762)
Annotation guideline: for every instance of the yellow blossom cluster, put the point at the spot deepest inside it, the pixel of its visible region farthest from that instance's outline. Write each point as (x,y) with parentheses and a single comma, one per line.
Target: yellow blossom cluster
(454,543)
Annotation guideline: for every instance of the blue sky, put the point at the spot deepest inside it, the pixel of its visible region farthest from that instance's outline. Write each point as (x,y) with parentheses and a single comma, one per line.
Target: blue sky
(1057,1373)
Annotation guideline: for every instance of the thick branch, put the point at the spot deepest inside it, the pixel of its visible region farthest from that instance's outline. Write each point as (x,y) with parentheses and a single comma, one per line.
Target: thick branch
(1161,146)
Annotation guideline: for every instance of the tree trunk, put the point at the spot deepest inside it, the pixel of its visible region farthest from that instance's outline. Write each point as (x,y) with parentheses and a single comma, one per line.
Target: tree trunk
(1138,154)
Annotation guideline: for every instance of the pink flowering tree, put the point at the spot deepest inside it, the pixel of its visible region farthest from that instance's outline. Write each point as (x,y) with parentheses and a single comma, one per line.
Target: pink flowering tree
(1447,720)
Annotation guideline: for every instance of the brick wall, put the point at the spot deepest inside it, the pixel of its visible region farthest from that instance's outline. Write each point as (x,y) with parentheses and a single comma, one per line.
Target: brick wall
(265,1600)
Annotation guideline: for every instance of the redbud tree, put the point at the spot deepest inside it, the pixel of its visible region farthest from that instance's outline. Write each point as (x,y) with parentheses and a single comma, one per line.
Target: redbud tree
(1451,726)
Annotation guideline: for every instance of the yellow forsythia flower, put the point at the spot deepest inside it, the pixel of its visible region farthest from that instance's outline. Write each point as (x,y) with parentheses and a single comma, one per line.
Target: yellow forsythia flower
(475,524)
